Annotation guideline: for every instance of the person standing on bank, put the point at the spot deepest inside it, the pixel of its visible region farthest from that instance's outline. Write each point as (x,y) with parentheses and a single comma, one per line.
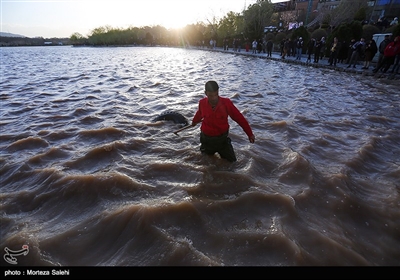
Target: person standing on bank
(334,51)
(299,48)
(358,52)
(389,55)
(270,45)
(370,50)
(382,47)
(310,49)
(317,50)
(213,112)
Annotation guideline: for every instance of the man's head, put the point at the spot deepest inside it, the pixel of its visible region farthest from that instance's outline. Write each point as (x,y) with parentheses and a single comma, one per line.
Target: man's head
(212,86)
(212,92)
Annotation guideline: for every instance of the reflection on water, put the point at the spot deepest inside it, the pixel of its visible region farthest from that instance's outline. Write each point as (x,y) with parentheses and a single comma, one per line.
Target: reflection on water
(88,179)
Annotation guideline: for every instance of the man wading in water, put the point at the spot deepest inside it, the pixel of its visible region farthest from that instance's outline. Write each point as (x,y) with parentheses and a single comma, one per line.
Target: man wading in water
(213,112)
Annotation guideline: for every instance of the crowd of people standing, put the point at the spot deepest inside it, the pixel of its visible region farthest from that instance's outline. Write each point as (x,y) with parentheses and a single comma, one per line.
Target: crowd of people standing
(315,48)
(351,53)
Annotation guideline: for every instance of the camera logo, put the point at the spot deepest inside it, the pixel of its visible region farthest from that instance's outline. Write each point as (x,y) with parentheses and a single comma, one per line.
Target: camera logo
(9,256)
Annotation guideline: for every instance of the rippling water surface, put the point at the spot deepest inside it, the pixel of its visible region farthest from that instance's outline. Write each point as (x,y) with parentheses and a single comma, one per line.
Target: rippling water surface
(88,179)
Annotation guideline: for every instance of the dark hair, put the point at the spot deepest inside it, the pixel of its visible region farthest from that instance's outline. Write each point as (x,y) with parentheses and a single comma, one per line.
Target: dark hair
(212,86)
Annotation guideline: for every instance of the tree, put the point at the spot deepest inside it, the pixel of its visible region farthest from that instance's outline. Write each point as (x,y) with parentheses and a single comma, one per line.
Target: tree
(319,33)
(395,30)
(369,31)
(256,17)
(346,11)
(149,38)
(356,29)
(303,33)
(192,34)
(279,37)
(361,14)
(348,31)
(97,36)
(77,39)
(159,33)
(343,32)
(230,25)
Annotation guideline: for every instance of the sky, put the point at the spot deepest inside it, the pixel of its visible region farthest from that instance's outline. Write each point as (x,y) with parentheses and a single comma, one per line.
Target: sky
(62,18)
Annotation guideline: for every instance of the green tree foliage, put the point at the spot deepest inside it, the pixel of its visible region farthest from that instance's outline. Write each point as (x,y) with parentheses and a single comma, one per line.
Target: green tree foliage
(230,25)
(319,33)
(256,17)
(301,32)
(361,14)
(304,34)
(270,36)
(97,36)
(346,11)
(343,32)
(149,40)
(160,35)
(356,30)
(77,39)
(279,37)
(192,35)
(395,30)
(368,31)
(348,31)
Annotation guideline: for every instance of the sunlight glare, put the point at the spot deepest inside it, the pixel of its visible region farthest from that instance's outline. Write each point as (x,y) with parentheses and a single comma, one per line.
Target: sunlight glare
(169,14)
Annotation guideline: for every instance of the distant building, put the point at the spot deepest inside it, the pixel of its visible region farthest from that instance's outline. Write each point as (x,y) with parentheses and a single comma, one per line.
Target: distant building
(384,8)
(288,5)
(308,10)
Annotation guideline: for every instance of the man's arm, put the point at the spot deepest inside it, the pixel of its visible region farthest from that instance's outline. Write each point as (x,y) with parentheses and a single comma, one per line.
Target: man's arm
(197,117)
(238,117)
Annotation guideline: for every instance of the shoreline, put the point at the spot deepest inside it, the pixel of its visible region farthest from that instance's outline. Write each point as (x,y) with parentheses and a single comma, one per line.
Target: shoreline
(341,67)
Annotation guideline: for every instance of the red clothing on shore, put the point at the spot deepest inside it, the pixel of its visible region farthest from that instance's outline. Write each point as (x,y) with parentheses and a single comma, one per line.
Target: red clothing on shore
(215,121)
(393,48)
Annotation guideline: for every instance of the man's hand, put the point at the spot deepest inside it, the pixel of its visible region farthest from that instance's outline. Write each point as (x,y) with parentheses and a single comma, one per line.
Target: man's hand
(252,138)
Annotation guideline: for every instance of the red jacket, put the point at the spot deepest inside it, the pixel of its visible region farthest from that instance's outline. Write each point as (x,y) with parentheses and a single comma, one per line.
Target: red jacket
(215,121)
(392,49)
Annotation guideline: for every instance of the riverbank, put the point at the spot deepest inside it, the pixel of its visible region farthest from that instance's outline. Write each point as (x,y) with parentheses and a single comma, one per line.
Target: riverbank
(323,63)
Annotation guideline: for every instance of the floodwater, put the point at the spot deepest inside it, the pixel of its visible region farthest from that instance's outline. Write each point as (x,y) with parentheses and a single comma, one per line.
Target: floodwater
(88,179)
